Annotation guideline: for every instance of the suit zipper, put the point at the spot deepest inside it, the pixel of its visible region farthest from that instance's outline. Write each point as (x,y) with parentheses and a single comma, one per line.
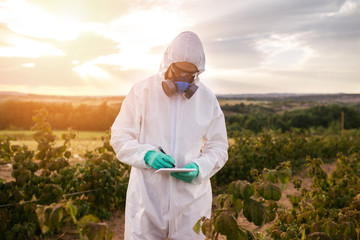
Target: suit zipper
(174,126)
(171,193)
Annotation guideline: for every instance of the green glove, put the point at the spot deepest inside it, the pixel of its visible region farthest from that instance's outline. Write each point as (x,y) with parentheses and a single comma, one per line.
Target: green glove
(187,176)
(159,160)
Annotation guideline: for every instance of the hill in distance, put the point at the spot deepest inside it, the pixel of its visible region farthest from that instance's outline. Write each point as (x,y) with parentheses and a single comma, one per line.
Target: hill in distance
(332,98)
(76,100)
(96,100)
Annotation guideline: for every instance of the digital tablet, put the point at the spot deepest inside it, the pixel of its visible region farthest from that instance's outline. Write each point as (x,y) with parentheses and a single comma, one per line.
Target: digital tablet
(170,170)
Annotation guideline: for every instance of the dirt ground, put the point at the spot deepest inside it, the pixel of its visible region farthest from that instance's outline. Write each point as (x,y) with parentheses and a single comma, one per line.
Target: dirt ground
(117,220)
(5,172)
(116,224)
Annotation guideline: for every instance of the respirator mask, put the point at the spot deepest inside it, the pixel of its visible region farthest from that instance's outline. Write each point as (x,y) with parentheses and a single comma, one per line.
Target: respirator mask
(180,81)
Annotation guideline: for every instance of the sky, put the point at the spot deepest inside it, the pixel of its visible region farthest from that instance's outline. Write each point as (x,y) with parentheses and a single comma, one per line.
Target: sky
(103,47)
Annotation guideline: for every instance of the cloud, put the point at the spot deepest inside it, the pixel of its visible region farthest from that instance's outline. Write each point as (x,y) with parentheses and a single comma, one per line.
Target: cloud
(85,10)
(290,41)
(283,52)
(236,52)
(28,20)
(157,50)
(257,17)
(56,71)
(58,77)
(88,46)
(103,11)
(28,65)
(14,45)
(251,46)
(263,18)
(310,45)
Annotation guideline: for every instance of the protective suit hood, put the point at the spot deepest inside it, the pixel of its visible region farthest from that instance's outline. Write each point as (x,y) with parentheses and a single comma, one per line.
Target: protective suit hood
(186,47)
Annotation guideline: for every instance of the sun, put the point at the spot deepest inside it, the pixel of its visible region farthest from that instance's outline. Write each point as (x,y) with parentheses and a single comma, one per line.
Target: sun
(30,20)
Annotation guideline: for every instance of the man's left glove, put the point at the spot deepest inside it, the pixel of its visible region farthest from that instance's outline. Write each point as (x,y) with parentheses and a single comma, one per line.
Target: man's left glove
(187,176)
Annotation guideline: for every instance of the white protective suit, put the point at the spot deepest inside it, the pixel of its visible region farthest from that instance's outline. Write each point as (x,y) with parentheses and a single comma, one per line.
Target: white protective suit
(159,206)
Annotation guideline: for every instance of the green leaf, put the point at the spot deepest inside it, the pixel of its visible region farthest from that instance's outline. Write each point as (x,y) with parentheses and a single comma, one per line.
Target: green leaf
(223,201)
(40,213)
(348,228)
(56,215)
(271,216)
(98,231)
(271,176)
(238,205)
(303,237)
(295,200)
(241,189)
(84,221)
(254,211)
(197,226)
(207,228)
(287,218)
(67,154)
(269,191)
(247,211)
(297,182)
(276,233)
(284,176)
(318,235)
(331,228)
(72,211)
(225,224)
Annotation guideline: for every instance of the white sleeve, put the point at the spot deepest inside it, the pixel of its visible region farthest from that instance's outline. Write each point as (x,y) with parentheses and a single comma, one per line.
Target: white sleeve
(125,134)
(214,152)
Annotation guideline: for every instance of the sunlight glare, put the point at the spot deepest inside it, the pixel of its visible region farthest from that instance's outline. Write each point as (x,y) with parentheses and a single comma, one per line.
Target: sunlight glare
(23,47)
(131,58)
(26,19)
(160,28)
(90,71)
(151,27)
(28,65)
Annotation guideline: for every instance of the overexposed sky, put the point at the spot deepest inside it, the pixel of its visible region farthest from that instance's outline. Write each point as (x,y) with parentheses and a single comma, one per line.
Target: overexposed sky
(93,47)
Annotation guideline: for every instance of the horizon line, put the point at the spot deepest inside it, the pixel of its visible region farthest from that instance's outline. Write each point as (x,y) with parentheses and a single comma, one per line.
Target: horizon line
(9,93)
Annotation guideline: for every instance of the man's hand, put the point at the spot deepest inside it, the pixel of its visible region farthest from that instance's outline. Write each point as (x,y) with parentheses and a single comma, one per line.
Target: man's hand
(159,160)
(187,176)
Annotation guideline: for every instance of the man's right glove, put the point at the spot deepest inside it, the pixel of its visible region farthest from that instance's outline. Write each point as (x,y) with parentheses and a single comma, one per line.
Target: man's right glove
(159,160)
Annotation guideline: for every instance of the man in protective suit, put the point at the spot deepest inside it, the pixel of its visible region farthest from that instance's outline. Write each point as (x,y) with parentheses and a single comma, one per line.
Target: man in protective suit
(170,120)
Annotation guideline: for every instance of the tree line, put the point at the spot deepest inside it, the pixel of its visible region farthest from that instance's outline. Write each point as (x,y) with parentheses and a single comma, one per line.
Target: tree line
(255,118)
(18,115)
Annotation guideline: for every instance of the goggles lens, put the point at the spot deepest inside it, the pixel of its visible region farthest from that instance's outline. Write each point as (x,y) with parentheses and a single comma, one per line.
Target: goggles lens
(182,73)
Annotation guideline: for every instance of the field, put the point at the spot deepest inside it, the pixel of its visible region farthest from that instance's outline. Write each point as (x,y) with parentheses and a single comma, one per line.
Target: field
(91,140)
(274,183)
(85,141)
(75,100)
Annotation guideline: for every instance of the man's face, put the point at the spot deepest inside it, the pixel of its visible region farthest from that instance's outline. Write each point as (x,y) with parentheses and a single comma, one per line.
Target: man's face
(181,76)
(186,67)
(183,69)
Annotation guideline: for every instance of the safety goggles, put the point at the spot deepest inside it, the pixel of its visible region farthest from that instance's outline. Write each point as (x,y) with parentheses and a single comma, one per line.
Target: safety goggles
(178,72)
